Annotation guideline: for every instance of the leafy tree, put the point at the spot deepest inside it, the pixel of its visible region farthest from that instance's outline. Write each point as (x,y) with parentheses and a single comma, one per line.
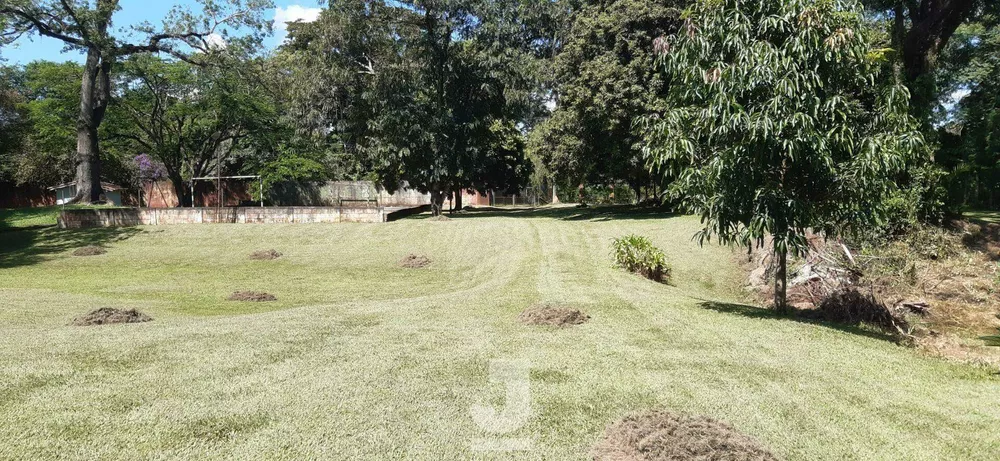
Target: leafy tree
(920,31)
(606,79)
(189,118)
(86,26)
(970,146)
(14,122)
(778,122)
(410,89)
(53,102)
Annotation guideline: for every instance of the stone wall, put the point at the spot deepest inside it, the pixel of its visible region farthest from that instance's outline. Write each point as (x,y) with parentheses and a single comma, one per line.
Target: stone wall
(115,217)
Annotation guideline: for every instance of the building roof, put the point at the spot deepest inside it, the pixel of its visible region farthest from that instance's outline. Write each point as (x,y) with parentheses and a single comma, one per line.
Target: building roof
(104,185)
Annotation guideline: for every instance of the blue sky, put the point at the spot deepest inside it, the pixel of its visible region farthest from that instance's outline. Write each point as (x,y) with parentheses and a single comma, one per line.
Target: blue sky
(154,11)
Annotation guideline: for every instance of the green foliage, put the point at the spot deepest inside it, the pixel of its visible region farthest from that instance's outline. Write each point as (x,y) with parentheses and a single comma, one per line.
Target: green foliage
(779,121)
(292,168)
(923,199)
(636,253)
(605,79)
(970,147)
(428,93)
(187,117)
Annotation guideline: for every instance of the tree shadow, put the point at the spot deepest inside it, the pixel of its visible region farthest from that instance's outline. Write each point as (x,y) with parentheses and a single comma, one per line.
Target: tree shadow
(568,213)
(794,316)
(27,247)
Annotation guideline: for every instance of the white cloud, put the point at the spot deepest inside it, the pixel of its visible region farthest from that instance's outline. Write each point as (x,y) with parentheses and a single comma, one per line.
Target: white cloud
(292,13)
(215,41)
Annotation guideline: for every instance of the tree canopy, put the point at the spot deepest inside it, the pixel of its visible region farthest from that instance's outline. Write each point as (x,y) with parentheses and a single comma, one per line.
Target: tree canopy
(778,122)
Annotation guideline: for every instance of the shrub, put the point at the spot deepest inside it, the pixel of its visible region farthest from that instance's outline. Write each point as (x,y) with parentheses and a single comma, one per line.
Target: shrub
(637,254)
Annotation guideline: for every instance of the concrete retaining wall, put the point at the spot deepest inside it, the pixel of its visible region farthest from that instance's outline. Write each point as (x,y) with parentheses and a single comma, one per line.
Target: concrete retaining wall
(116,217)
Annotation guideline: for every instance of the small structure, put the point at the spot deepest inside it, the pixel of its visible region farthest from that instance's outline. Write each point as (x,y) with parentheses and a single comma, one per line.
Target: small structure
(66,192)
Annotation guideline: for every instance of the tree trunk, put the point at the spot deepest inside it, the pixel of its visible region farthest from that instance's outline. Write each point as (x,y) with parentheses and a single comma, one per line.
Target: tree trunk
(95,92)
(437,202)
(458,200)
(780,280)
(180,189)
(932,25)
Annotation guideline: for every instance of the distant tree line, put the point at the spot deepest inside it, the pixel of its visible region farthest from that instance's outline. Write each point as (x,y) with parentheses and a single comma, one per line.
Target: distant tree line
(451,95)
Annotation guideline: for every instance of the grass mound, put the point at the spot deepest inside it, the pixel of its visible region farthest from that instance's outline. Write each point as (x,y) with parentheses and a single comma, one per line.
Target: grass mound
(413,261)
(89,250)
(439,218)
(660,435)
(252,296)
(108,315)
(558,316)
(265,255)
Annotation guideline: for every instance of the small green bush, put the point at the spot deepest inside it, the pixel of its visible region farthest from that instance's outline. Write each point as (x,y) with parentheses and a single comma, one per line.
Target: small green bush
(637,254)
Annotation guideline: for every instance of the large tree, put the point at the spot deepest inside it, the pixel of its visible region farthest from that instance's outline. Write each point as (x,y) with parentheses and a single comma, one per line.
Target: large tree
(779,122)
(87,26)
(420,91)
(189,118)
(920,32)
(605,79)
(970,134)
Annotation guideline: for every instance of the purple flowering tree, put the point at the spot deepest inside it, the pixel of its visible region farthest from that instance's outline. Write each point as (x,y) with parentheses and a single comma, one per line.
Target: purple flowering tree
(149,170)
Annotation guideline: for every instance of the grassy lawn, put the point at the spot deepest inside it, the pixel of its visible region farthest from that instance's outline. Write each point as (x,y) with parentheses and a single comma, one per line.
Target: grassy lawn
(28,217)
(361,359)
(992,217)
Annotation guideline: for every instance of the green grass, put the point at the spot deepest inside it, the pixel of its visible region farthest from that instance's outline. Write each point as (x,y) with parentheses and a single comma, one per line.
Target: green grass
(29,217)
(360,359)
(992,217)
(25,218)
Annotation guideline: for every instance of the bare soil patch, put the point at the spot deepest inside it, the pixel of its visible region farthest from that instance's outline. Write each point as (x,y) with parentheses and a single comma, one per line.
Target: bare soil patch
(89,250)
(252,296)
(265,255)
(552,315)
(661,435)
(109,315)
(413,261)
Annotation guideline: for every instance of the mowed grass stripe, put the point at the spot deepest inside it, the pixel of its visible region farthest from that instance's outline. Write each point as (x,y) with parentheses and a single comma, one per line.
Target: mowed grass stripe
(362,359)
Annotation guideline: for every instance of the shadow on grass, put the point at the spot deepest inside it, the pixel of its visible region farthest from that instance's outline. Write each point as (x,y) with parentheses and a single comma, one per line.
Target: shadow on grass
(27,247)
(795,316)
(983,216)
(28,218)
(565,213)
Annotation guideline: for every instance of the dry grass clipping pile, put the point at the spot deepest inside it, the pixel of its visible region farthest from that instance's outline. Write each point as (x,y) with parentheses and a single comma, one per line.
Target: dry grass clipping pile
(661,436)
(940,285)
(552,315)
(252,296)
(850,306)
(413,261)
(89,250)
(265,255)
(109,315)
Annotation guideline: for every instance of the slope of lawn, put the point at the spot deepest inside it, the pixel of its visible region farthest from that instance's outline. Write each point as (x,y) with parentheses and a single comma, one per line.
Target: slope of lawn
(28,217)
(362,359)
(992,217)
